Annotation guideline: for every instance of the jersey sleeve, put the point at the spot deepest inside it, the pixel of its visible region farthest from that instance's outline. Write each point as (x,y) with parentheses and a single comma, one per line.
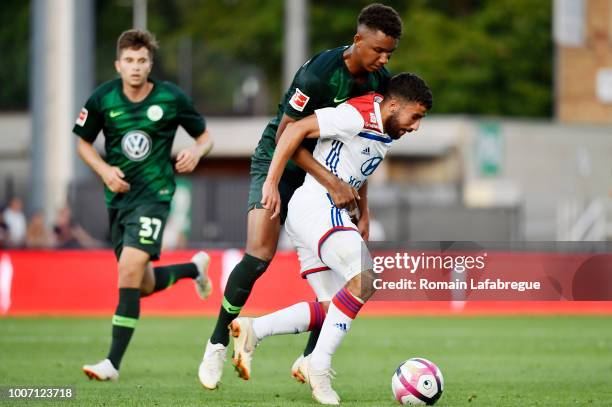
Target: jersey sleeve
(340,123)
(303,95)
(192,121)
(89,121)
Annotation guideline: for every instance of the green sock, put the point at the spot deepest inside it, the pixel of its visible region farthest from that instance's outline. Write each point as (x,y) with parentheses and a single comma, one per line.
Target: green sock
(165,276)
(237,290)
(312,341)
(124,322)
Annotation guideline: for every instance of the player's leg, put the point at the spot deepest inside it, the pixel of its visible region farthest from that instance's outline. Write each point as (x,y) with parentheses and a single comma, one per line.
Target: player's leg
(132,265)
(143,228)
(249,332)
(312,218)
(104,370)
(163,277)
(346,254)
(325,284)
(301,317)
(262,239)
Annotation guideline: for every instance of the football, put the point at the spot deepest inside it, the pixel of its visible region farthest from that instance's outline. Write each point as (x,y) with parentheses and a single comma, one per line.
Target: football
(417,381)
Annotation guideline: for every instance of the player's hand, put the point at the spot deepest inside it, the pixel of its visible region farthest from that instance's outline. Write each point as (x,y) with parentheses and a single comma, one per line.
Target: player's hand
(186,161)
(270,198)
(364,227)
(113,179)
(343,195)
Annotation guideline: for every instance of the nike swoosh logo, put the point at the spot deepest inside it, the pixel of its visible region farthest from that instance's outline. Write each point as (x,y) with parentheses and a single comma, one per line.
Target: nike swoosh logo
(145,241)
(336,100)
(115,114)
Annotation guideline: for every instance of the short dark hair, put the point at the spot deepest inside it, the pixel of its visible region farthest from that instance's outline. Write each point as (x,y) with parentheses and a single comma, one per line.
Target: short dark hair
(380,17)
(135,39)
(411,88)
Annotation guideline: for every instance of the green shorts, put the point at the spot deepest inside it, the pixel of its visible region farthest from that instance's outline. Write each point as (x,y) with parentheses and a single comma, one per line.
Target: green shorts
(141,227)
(292,179)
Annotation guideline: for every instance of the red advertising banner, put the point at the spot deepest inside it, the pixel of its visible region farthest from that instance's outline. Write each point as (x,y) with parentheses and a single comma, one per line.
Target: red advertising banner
(85,283)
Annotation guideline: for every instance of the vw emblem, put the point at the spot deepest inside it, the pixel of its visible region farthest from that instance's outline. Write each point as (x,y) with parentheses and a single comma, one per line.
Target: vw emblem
(368,167)
(136,145)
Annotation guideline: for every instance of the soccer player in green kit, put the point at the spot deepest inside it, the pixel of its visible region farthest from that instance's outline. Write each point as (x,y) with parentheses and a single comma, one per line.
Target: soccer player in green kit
(327,79)
(139,117)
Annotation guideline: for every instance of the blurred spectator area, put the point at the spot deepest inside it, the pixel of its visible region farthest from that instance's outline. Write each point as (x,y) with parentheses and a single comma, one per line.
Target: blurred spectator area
(460,178)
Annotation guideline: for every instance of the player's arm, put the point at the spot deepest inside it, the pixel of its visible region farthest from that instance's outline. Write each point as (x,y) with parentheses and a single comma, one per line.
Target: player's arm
(363,224)
(87,127)
(111,176)
(188,159)
(195,125)
(343,195)
(293,135)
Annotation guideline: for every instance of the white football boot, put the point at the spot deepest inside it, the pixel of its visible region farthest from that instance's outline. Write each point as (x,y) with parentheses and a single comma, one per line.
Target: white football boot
(202,282)
(295,370)
(320,383)
(245,342)
(211,368)
(103,370)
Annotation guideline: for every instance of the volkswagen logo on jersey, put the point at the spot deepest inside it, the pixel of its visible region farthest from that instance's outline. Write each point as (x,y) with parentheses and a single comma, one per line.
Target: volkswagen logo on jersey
(136,145)
(368,167)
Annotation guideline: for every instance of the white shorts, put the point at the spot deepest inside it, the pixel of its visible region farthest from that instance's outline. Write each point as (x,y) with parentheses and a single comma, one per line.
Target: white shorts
(327,241)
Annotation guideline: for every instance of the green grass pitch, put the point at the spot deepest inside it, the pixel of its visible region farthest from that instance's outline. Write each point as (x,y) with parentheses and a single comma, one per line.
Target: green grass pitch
(486,361)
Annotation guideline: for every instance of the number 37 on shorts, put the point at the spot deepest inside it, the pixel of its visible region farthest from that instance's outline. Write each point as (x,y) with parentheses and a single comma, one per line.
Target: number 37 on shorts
(149,229)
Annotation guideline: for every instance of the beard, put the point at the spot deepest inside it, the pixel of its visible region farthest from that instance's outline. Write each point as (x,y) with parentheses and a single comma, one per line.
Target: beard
(393,128)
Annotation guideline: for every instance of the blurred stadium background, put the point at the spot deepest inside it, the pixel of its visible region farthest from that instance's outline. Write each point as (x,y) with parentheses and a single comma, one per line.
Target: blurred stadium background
(518,146)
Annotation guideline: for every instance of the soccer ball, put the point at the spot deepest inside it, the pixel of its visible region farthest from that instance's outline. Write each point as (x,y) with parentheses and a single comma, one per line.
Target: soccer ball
(417,381)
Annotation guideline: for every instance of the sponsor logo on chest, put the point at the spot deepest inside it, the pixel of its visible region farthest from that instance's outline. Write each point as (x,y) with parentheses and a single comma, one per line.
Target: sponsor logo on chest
(136,145)
(369,166)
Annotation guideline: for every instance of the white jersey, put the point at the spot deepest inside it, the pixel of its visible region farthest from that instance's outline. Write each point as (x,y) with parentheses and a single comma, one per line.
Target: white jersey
(352,141)
(352,144)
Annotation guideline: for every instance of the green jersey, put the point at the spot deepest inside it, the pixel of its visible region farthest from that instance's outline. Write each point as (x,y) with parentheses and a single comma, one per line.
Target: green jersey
(138,137)
(323,81)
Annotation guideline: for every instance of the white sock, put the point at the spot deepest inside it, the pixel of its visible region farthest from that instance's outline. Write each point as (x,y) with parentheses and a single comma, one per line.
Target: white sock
(342,310)
(290,320)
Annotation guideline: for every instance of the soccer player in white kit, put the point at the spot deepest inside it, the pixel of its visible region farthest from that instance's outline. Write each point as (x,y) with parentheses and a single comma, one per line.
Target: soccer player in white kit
(354,138)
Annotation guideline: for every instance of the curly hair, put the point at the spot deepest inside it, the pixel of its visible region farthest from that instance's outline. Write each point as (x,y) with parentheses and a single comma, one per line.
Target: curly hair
(411,88)
(135,39)
(380,17)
